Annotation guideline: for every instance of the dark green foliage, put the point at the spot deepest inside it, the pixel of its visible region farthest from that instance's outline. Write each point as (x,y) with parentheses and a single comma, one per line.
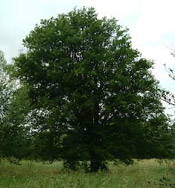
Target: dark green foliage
(6,92)
(15,136)
(18,130)
(14,106)
(100,95)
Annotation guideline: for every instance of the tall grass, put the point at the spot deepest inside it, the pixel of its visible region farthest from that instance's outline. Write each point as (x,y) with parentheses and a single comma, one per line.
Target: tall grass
(30,174)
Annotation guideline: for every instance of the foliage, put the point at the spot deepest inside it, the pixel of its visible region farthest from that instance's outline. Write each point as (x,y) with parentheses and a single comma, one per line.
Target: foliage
(14,106)
(6,91)
(99,92)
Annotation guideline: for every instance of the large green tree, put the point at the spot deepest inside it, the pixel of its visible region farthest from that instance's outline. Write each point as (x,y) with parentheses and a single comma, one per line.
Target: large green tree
(99,92)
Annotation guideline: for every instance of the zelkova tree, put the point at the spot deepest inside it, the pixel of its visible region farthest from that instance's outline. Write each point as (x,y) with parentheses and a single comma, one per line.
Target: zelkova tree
(99,92)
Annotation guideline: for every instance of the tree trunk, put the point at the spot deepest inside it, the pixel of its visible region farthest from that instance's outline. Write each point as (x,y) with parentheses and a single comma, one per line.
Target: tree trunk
(95,165)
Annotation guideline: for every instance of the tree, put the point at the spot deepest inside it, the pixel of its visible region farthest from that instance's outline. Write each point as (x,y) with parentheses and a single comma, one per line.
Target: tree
(6,91)
(14,106)
(99,92)
(168,96)
(5,87)
(17,134)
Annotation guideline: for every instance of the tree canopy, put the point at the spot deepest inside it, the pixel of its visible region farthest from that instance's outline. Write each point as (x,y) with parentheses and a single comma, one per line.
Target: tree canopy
(97,94)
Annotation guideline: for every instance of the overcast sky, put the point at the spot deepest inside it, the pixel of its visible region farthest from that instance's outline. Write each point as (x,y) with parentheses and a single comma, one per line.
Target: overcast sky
(150,22)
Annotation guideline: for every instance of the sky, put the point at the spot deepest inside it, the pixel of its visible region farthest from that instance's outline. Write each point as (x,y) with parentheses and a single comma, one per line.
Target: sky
(150,22)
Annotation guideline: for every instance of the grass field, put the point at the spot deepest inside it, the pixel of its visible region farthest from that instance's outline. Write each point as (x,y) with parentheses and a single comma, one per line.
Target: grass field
(143,174)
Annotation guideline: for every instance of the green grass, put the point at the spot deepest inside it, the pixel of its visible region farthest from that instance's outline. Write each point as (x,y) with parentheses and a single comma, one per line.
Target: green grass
(38,175)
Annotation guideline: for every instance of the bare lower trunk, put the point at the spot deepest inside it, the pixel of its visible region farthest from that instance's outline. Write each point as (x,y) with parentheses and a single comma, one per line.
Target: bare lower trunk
(95,165)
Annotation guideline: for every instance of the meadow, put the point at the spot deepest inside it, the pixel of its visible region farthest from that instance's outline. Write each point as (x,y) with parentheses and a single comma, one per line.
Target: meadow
(31,174)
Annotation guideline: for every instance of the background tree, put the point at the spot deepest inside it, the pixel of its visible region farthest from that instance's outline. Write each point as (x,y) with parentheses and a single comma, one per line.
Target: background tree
(100,94)
(14,106)
(168,96)
(6,90)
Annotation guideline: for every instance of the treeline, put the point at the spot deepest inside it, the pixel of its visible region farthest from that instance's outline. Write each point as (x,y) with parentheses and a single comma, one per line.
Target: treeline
(82,94)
